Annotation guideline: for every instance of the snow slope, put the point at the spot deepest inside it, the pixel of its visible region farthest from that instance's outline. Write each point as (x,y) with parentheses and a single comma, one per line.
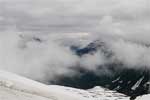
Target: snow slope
(144,97)
(10,94)
(14,87)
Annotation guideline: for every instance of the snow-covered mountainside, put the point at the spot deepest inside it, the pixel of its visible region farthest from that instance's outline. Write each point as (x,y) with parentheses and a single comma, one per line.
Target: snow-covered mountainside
(14,87)
(145,97)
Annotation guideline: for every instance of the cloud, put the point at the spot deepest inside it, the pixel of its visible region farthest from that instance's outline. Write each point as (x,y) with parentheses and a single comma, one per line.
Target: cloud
(129,53)
(93,61)
(123,24)
(39,60)
(74,15)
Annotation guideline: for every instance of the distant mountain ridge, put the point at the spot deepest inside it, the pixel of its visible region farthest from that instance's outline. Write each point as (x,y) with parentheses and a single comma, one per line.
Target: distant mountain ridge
(124,79)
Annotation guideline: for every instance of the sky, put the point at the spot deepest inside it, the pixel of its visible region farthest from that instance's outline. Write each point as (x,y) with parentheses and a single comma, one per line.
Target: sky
(76,15)
(123,24)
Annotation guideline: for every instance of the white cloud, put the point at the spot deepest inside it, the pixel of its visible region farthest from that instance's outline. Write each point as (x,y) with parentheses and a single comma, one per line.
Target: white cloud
(125,24)
(76,15)
(38,60)
(93,61)
(132,54)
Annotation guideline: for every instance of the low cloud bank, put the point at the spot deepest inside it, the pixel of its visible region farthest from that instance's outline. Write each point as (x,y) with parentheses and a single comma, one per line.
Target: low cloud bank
(43,57)
(39,60)
(122,24)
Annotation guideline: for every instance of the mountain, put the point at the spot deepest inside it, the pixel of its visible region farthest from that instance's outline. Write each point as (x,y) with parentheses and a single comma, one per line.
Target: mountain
(14,87)
(127,80)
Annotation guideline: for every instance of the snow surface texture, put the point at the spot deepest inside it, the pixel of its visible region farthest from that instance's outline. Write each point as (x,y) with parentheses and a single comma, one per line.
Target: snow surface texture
(14,87)
(145,97)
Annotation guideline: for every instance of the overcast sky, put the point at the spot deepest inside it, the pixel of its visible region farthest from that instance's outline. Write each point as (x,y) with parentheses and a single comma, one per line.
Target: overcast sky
(75,15)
